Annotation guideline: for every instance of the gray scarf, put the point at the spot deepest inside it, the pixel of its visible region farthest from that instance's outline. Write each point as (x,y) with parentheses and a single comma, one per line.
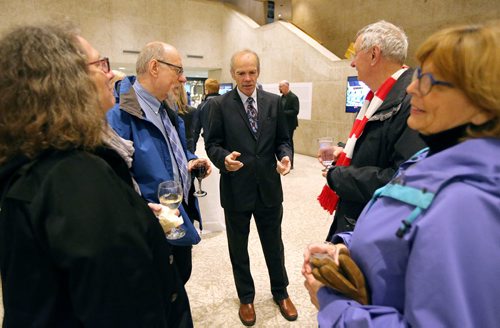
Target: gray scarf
(124,148)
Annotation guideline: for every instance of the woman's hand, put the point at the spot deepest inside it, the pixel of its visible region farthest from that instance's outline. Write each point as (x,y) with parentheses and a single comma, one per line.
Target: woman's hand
(332,266)
(156,208)
(312,286)
(326,248)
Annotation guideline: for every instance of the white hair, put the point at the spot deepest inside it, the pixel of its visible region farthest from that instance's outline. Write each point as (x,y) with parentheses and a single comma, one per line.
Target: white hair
(391,39)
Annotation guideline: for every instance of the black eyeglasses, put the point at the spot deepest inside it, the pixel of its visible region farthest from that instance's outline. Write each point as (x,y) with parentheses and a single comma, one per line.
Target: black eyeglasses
(426,81)
(103,64)
(178,69)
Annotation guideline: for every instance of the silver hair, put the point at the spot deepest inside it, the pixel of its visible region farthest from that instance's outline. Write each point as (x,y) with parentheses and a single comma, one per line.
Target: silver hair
(153,50)
(243,52)
(391,39)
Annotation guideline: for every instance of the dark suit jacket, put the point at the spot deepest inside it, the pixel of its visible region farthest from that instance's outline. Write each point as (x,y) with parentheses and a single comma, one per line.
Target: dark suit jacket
(229,130)
(291,106)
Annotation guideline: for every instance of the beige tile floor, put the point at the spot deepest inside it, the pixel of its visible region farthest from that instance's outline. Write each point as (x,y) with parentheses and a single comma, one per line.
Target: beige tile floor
(211,288)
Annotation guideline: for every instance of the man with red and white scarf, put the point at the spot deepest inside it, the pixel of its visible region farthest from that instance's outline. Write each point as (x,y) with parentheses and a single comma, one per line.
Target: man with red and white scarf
(380,139)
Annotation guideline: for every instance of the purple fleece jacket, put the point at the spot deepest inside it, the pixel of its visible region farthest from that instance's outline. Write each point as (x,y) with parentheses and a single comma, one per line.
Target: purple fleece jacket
(444,272)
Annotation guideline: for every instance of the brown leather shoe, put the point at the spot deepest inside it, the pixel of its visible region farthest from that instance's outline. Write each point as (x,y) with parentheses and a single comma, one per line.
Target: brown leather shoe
(287,309)
(247,314)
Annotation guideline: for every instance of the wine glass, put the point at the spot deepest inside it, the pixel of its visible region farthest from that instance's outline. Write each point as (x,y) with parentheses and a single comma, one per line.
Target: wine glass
(199,171)
(170,195)
(326,151)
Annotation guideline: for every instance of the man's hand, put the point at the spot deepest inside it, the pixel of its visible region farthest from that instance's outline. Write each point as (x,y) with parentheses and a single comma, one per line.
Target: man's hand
(283,167)
(334,149)
(201,162)
(231,163)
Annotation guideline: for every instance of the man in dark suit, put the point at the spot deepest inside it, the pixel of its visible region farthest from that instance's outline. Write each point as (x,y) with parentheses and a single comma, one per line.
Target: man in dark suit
(291,106)
(200,118)
(248,141)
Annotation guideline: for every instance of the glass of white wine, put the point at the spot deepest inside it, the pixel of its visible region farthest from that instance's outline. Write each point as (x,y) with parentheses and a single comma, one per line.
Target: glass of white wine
(170,195)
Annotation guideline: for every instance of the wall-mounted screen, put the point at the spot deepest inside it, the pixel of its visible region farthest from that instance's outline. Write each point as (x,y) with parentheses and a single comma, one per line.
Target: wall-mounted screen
(225,87)
(355,94)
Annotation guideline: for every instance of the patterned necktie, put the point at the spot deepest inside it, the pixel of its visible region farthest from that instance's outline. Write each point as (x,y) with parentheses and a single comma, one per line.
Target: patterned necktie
(178,151)
(252,115)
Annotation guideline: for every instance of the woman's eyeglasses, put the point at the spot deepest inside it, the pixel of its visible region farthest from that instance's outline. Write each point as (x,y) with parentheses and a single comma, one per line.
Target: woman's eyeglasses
(426,81)
(102,64)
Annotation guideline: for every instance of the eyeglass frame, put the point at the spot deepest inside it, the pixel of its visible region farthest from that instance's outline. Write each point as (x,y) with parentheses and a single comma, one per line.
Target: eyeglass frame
(417,75)
(179,69)
(106,68)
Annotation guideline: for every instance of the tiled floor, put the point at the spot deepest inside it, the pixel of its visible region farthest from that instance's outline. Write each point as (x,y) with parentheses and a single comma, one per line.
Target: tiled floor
(211,288)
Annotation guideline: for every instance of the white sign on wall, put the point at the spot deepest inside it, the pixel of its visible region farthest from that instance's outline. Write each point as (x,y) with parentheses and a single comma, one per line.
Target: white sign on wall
(303,90)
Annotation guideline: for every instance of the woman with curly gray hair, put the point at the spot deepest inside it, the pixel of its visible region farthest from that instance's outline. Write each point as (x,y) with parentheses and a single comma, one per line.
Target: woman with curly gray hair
(79,247)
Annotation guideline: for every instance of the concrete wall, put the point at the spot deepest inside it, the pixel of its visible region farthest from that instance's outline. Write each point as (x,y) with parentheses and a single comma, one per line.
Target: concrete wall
(215,31)
(288,53)
(111,26)
(334,23)
(256,10)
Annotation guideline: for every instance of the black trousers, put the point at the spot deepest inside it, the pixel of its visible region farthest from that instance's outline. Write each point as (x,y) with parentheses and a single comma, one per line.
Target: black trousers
(183,255)
(268,222)
(183,259)
(290,132)
(180,312)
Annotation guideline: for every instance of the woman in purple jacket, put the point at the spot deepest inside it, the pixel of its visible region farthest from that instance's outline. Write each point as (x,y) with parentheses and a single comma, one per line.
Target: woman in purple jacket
(439,267)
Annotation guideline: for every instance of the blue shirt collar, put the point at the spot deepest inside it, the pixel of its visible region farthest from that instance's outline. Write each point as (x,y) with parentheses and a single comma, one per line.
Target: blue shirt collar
(146,100)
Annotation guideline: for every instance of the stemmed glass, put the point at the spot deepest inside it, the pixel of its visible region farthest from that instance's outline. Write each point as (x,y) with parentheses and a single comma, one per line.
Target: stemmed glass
(170,195)
(326,152)
(199,171)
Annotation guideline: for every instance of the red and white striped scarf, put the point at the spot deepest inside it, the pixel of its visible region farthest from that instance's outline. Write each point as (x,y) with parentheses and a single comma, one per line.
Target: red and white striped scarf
(328,199)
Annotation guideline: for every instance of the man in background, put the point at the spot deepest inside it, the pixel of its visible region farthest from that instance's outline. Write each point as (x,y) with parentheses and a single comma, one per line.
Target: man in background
(200,118)
(291,107)
(248,142)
